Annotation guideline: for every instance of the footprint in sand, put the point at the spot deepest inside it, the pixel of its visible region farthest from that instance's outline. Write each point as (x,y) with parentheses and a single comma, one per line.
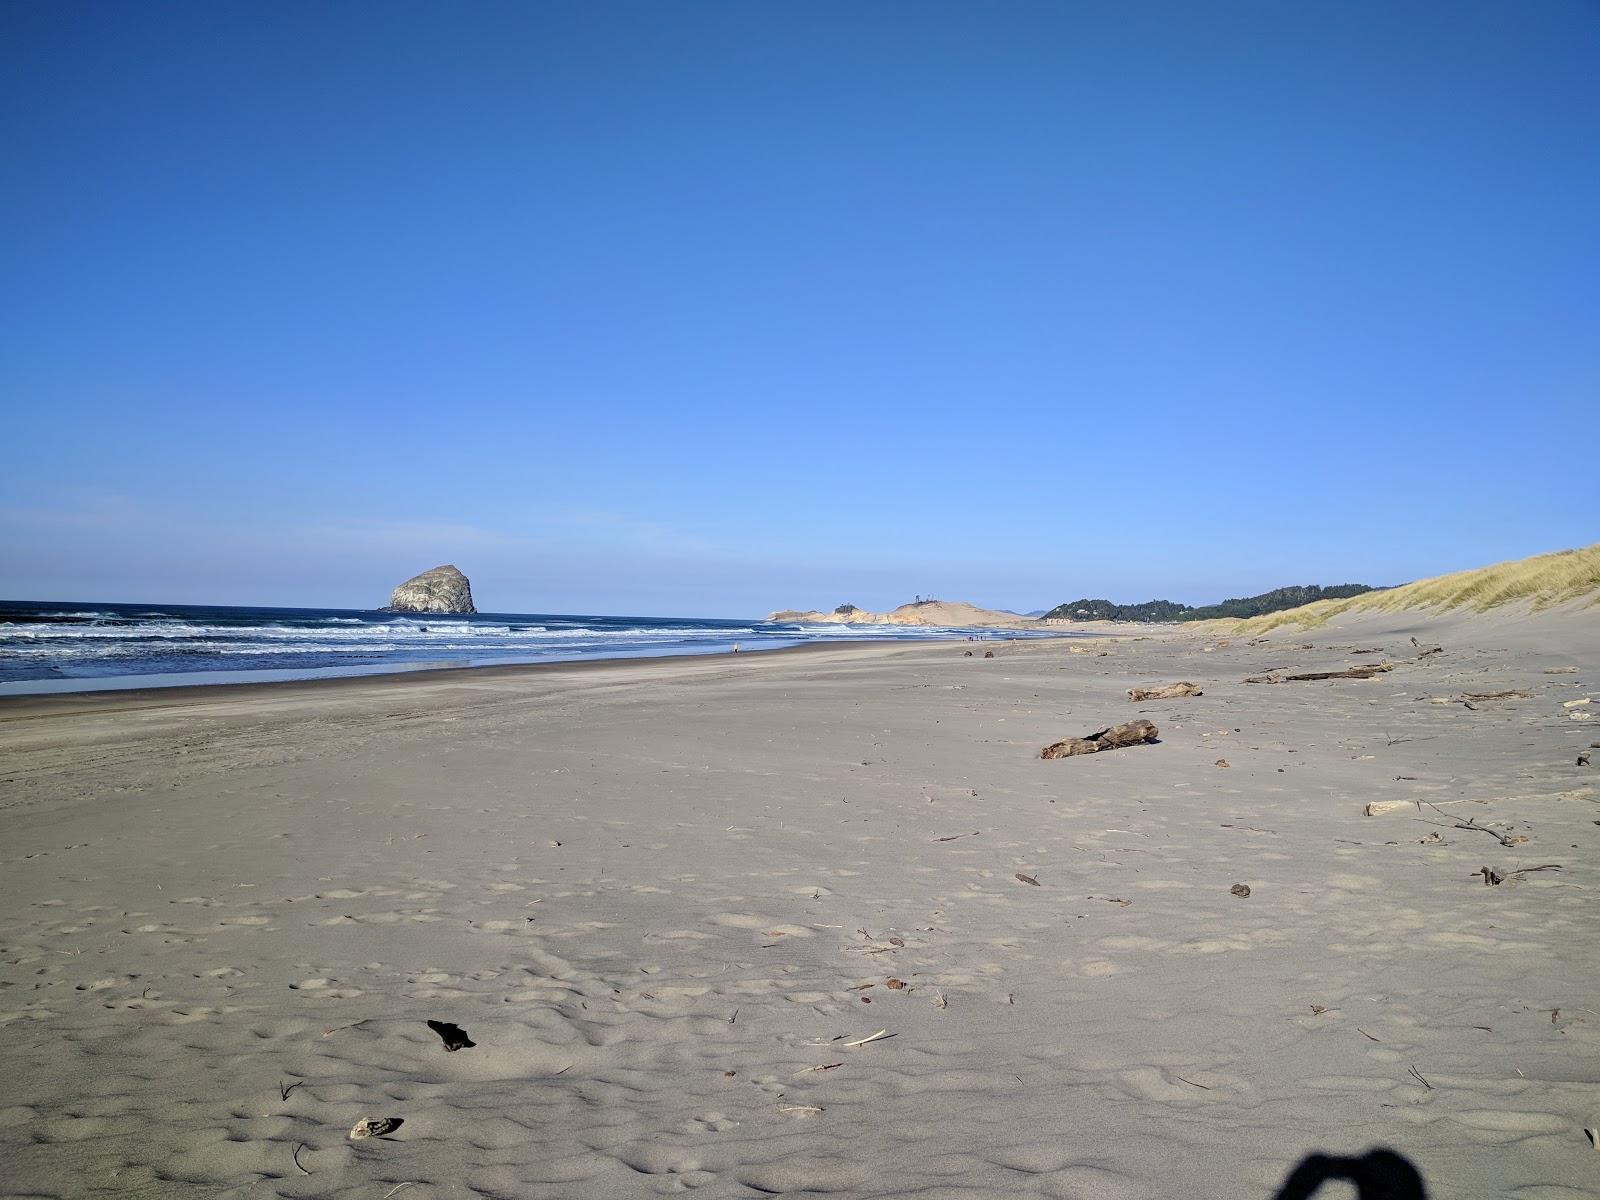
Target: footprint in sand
(1151,1083)
(814,891)
(100,985)
(1509,1122)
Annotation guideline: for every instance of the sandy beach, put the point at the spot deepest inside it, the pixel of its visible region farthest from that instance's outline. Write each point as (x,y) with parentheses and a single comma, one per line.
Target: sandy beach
(815,923)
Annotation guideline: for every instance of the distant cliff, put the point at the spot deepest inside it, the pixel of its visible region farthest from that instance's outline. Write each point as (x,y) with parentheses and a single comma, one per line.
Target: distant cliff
(1167,610)
(946,613)
(441,590)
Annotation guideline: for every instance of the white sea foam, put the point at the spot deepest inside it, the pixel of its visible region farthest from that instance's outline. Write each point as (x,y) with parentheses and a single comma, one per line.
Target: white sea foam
(93,644)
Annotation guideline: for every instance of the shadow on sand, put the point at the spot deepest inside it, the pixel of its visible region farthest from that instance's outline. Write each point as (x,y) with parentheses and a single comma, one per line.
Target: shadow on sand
(1380,1174)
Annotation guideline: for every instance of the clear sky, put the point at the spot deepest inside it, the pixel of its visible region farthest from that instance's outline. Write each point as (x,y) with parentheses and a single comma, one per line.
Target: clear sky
(710,308)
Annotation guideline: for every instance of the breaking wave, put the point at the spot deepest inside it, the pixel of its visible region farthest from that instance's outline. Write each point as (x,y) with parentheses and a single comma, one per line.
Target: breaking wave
(99,644)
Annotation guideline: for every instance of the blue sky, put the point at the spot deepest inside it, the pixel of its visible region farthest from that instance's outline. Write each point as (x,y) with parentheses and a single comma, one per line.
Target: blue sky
(710,308)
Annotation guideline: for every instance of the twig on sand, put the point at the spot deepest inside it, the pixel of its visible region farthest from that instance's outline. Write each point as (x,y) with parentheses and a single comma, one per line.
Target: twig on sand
(285,1088)
(799,1110)
(352,1025)
(876,1037)
(1192,1083)
(299,1146)
(1470,823)
(1367,1035)
(398,1186)
(1417,1075)
(955,836)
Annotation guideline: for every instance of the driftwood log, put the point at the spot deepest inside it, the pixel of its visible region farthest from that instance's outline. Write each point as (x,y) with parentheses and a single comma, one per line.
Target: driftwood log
(1362,672)
(1134,733)
(1171,691)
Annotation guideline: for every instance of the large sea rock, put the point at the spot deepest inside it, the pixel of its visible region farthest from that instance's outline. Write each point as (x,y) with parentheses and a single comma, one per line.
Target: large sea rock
(441,590)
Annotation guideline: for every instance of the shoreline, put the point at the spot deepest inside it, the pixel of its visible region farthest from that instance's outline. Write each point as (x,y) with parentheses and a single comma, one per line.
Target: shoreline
(414,661)
(115,700)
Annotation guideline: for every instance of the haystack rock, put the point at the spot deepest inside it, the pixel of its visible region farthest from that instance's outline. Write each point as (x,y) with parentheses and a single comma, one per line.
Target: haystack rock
(441,590)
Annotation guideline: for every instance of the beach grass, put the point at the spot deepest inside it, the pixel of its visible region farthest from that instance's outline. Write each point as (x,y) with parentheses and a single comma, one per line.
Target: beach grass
(1542,581)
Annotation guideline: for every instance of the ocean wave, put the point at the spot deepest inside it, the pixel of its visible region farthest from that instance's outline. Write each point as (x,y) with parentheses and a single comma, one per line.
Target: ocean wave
(92,643)
(46,640)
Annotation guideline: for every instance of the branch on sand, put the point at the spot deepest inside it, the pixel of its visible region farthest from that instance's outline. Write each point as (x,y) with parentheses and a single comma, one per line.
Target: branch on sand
(1171,691)
(1461,822)
(1491,877)
(1361,672)
(1133,733)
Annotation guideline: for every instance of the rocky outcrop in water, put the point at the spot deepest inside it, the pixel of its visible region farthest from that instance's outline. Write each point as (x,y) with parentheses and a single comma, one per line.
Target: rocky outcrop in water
(441,590)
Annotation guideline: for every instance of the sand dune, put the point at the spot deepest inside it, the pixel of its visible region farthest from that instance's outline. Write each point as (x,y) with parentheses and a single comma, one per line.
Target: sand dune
(670,902)
(1564,578)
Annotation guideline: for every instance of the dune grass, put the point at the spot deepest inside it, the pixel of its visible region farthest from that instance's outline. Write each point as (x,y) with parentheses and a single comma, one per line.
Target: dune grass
(1541,582)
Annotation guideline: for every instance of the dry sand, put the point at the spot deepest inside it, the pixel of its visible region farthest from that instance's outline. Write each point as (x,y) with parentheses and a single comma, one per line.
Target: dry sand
(666,899)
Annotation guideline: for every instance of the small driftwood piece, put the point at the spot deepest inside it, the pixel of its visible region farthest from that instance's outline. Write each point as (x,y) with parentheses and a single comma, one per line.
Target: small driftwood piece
(1366,671)
(1508,694)
(1133,733)
(1491,877)
(1171,691)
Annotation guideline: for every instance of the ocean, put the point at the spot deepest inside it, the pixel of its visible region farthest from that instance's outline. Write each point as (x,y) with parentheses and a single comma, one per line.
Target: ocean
(57,647)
